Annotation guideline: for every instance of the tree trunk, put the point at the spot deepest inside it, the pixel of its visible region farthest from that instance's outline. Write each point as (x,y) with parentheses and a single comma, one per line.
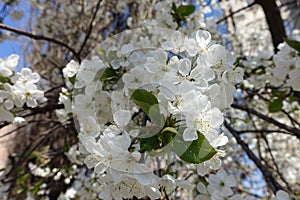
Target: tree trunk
(274,21)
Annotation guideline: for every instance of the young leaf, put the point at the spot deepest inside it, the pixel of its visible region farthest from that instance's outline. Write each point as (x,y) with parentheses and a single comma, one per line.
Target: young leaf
(276,105)
(4,79)
(294,44)
(186,10)
(72,79)
(196,151)
(108,74)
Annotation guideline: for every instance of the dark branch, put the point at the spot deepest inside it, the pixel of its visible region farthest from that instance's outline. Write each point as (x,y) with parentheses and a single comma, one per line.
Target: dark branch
(235,12)
(274,185)
(293,130)
(40,37)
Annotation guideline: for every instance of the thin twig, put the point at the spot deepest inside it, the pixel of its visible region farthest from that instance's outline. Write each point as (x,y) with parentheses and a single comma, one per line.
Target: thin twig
(90,28)
(235,12)
(275,163)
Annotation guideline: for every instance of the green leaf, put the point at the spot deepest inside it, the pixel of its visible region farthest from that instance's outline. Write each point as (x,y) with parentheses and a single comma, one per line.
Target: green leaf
(292,98)
(293,43)
(275,105)
(111,56)
(278,94)
(72,79)
(167,135)
(186,10)
(4,79)
(23,178)
(144,99)
(196,151)
(150,143)
(149,104)
(109,74)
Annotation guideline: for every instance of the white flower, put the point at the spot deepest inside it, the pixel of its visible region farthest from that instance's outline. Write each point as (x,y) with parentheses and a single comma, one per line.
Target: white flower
(205,121)
(282,195)
(29,94)
(71,69)
(38,171)
(87,72)
(25,76)
(8,65)
(19,120)
(198,43)
(204,195)
(221,183)
(176,43)
(212,164)
(129,188)
(169,183)
(134,78)
(122,59)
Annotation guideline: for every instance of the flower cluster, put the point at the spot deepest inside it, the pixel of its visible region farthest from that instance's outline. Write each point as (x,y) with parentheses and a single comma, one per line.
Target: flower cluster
(150,100)
(17,89)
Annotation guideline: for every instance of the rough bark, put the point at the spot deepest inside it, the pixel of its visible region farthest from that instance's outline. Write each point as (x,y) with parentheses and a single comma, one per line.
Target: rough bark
(274,21)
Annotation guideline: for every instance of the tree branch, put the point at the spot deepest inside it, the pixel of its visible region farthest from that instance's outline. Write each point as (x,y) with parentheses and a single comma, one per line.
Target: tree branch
(293,130)
(274,21)
(40,37)
(90,28)
(270,180)
(235,12)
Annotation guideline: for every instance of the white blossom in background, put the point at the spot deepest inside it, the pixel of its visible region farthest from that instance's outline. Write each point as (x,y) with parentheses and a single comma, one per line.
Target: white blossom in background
(17,89)
(193,80)
(8,65)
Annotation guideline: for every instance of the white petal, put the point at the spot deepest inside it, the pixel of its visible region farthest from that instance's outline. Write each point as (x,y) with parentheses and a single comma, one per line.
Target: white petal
(122,117)
(230,181)
(167,45)
(8,104)
(35,77)
(202,169)
(191,47)
(26,72)
(201,188)
(190,134)
(203,38)
(12,61)
(282,195)
(31,103)
(5,72)
(184,67)
(226,191)
(152,192)
(184,184)
(221,140)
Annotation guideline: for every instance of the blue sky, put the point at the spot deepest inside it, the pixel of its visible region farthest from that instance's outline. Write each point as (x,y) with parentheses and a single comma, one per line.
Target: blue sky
(8,47)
